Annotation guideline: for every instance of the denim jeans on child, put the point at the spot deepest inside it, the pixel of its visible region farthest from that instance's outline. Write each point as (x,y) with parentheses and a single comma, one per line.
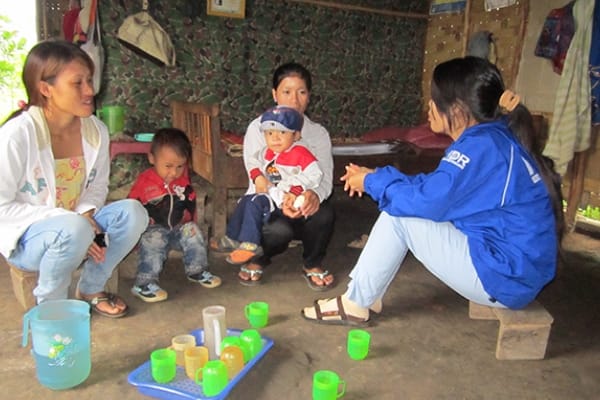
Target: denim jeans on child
(156,243)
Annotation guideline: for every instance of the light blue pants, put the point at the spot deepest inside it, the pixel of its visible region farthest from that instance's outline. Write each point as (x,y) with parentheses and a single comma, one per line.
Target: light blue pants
(56,246)
(439,246)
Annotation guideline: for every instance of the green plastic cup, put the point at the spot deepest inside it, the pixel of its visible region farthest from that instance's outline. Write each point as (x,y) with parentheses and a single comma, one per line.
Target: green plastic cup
(252,341)
(163,365)
(257,314)
(327,385)
(212,377)
(358,344)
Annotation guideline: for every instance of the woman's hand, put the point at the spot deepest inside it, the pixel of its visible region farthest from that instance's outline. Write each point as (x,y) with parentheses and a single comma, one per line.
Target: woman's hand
(97,253)
(261,184)
(355,179)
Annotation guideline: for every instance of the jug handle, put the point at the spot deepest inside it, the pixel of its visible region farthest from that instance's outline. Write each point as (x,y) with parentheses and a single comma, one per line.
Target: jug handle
(217,328)
(25,328)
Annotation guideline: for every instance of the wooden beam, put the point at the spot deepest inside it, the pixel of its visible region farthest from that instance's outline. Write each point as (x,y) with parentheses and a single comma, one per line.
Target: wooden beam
(350,7)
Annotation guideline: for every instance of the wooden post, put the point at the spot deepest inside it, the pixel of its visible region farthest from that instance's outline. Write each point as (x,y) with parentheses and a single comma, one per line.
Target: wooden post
(578,165)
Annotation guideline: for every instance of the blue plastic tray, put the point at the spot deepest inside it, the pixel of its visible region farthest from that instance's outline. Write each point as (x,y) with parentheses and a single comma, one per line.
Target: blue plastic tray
(183,388)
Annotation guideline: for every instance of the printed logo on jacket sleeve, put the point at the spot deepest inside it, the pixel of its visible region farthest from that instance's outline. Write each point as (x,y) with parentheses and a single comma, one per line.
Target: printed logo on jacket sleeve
(457,158)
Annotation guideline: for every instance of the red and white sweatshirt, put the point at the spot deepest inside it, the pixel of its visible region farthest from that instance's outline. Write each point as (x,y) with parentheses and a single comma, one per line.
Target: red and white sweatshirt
(170,205)
(292,171)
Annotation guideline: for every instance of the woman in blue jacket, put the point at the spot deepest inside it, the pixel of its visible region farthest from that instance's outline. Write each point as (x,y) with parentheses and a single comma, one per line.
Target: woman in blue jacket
(486,222)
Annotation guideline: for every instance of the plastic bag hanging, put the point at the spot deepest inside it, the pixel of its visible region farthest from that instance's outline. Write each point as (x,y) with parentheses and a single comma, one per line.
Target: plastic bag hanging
(143,33)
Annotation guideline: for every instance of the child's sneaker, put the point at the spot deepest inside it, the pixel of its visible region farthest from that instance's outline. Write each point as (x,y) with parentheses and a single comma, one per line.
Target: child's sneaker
(150,293)
(206,279)
(244,253)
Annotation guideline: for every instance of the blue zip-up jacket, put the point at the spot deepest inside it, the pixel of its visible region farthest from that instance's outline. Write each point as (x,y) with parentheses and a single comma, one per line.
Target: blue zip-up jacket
(489,187)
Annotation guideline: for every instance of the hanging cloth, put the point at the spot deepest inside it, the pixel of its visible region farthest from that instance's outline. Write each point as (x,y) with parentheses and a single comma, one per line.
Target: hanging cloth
(143,33)
(571,121)
(556,36)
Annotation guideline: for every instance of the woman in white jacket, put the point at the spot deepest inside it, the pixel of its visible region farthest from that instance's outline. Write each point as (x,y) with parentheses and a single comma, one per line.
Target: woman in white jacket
(54,158)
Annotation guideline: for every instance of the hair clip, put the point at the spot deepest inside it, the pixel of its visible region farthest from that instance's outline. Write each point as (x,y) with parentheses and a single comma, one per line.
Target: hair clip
(509,100)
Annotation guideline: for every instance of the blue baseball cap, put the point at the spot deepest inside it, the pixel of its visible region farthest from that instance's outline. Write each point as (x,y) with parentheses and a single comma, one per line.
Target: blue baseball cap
(281,118)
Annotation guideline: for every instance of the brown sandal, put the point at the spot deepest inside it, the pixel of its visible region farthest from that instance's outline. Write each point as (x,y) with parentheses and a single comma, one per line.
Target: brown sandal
(335,317)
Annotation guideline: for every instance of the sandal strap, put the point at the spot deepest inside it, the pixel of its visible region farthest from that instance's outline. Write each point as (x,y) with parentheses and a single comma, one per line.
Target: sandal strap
(251,272)
(319,275)
(108,297)
(340,312)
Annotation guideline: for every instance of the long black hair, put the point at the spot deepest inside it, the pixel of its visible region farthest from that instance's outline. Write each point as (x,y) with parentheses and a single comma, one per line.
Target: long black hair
(471,87)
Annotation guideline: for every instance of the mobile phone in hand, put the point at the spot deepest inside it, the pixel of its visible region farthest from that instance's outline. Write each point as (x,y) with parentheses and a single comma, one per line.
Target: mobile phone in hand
(101,239)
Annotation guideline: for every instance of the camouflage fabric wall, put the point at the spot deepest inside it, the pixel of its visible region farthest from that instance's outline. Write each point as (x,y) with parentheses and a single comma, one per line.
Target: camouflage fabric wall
(366,67)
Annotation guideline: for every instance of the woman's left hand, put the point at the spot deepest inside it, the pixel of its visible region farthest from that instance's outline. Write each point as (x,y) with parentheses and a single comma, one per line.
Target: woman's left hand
(97,253)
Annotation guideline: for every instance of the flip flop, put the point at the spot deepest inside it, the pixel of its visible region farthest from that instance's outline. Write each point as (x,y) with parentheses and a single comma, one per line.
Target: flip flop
(313,285)
(252,273)
(335,317)
(109,298)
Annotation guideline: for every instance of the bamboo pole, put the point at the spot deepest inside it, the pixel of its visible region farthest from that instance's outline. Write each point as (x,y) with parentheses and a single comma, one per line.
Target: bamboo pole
(350,7)
(466,26)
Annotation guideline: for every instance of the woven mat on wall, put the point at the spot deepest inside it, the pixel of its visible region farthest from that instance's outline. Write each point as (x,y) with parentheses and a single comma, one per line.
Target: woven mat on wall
(447,37)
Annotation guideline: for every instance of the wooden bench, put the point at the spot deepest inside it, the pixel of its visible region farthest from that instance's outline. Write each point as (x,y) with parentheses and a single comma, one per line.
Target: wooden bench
(523,334)
(23,283)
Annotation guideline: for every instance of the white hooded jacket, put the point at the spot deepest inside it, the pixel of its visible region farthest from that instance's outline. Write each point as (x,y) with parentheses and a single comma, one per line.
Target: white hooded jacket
(27,177)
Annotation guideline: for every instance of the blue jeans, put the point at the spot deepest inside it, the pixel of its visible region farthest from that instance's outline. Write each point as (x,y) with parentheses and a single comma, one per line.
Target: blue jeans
(439,246)
(56,246)
(156,243)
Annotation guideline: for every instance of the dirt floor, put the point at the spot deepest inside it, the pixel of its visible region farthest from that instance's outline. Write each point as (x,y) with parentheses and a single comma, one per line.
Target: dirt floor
(424,346)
